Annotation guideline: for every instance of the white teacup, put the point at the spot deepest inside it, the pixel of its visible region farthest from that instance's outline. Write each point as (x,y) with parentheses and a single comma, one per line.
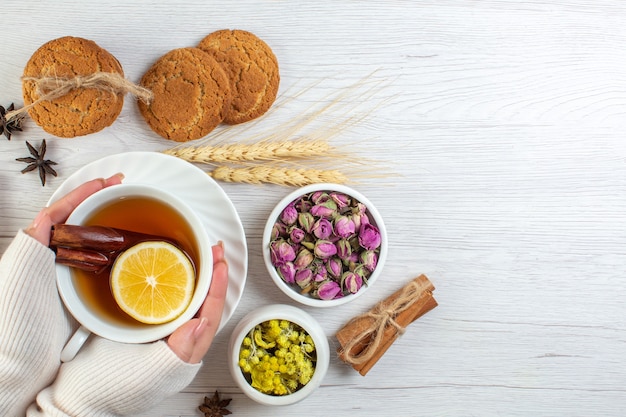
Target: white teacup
(90,318)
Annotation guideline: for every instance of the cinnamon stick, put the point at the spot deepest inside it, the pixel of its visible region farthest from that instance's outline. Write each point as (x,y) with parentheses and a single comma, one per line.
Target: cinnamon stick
(93,248)
(365,338)
(87,260)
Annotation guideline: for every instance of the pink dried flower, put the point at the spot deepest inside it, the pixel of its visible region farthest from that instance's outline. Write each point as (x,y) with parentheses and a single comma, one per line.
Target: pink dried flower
(351,282)
(369,259)
(327,209)
(306,221)
(297,235)
(328,290)
(287,272)
(281,251)
(322,229)
(289,214)
(303,277)
(344,249)
(324,249)
(342,200)
(334,267)
(369,236)
(303,259)
(344,227)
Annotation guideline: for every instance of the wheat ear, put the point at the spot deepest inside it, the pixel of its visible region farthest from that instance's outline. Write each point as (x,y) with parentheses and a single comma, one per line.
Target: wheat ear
(265,150)
(277,175)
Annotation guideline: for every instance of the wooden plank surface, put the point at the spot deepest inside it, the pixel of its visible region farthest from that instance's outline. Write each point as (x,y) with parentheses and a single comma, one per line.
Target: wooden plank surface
(500,127)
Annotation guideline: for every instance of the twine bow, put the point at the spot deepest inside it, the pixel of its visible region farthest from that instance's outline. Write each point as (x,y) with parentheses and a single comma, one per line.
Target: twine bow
(50,88)
(381,316)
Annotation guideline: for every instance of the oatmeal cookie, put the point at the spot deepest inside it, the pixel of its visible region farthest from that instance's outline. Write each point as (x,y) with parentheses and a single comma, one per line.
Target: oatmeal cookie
(191,93)
(252,69)
(83,110)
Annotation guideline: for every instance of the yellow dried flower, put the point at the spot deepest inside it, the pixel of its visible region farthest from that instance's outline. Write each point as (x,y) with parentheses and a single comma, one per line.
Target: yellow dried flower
(278,357)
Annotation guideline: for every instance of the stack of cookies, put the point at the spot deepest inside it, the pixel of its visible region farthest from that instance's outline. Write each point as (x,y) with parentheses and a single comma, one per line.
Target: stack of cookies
(230,77)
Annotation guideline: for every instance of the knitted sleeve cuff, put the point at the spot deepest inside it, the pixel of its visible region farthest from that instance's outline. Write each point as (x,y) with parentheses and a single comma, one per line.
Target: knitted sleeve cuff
(114,379)
(33,324)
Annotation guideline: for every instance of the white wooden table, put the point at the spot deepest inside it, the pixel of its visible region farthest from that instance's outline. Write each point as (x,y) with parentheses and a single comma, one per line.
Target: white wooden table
(504,126)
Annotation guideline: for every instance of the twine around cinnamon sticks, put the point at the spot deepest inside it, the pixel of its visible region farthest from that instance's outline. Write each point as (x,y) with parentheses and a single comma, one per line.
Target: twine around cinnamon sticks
(365,338)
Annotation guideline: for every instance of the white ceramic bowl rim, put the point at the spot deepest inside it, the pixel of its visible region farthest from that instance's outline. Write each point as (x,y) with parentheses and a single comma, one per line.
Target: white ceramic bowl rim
(294,315)
(267,233)
(147,333)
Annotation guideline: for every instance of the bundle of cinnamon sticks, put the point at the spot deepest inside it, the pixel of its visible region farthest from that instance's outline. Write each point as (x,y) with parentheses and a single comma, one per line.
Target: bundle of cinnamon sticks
(366,338)
(93,248)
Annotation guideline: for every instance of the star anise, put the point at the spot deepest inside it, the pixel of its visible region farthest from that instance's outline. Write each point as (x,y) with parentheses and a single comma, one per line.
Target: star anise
(214,407)
(37,161)
(7,127)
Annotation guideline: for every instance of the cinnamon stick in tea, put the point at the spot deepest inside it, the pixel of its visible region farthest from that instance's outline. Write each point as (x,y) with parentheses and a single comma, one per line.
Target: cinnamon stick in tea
(87,260)
(93,248)
(365,338)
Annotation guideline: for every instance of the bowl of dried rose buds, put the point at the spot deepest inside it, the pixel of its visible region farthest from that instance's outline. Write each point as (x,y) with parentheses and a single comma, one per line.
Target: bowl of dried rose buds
(278,354)
(324,244)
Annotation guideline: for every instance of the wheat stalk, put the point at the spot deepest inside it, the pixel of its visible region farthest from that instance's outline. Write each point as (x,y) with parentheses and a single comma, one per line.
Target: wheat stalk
(265,150)
(277,154)
(277,175)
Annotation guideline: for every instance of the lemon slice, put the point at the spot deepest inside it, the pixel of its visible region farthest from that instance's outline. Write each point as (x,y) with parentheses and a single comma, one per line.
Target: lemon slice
(153,282)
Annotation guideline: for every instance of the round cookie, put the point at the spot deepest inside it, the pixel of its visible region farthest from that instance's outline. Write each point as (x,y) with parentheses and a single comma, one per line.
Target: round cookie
(83,110)
(191,92)
(252,69)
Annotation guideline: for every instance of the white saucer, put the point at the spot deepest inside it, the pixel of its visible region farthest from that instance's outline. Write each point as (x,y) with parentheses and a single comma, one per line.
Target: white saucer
(194,187)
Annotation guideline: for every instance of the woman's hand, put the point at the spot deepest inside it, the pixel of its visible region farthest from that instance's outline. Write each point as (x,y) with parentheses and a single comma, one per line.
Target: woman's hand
(192,340)
(60,210)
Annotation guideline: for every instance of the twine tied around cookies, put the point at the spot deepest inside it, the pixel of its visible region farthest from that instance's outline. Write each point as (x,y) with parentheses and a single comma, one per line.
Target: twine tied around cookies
(50,88)
(365,338)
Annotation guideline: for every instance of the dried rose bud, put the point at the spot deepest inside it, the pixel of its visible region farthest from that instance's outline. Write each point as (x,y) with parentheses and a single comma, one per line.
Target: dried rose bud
(359,208)
(303,259)
(344,249)
(279,230)
(303,277)
(344,226)
(365,219)
(324,249)
(328,290)
(319,197)
(303,205)
(369,259)
(341,199)
(326,209)
(351,282)
(362,271)
(306,221)
(320,273)
(369,236)
(287,272)
(322,229)
(356,219)
(359,215)
(334,267)
(296,234)
(281,251)
(289,214)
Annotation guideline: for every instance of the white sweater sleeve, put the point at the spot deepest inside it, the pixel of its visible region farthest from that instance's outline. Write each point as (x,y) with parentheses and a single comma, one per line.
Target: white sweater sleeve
(109,379)
(33,323)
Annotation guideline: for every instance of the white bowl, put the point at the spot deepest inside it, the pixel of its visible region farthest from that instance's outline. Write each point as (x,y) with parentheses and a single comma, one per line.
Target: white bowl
(279,312)
(292,290)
